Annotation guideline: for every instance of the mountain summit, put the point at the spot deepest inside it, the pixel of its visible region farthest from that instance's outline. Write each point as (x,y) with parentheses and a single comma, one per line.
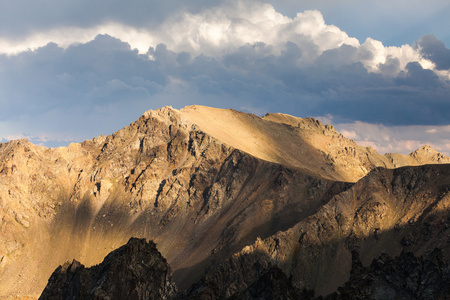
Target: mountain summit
(216,188)
(301,143)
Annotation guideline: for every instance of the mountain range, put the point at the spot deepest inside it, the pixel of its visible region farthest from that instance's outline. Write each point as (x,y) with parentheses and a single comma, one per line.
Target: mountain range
(231,200)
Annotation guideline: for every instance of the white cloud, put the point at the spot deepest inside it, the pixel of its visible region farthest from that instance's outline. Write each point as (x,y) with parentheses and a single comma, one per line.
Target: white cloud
(351,134)
(397,139)
(240,54)
(221,30)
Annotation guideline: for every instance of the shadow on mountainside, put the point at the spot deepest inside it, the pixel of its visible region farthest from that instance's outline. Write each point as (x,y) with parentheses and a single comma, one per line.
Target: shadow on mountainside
(88,230)
(253,275)
(388,211)
(395,272)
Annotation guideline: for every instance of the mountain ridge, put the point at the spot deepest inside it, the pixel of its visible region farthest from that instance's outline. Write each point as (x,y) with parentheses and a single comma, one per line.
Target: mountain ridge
(187,185)
(297,142)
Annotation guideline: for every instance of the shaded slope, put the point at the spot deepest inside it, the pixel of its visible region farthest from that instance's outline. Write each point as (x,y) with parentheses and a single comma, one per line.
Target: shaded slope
(158,178)
(183,183)
(402,277)
(138,271)
(388,211)
(134,271)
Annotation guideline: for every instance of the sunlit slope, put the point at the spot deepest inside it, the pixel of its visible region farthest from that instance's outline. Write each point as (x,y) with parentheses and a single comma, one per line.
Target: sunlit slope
(201,182)
(160,178)
(300,143)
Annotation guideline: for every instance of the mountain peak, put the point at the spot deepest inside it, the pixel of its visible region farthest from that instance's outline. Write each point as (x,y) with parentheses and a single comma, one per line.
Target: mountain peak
(426,154)
(426,149)
(202,182)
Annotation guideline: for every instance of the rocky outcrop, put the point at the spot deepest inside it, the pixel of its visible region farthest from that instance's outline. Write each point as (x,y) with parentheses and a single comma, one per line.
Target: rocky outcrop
(138,271)
(248,276)
(402,277)
(388,211)
(204,184)
(134,271)
(274,284)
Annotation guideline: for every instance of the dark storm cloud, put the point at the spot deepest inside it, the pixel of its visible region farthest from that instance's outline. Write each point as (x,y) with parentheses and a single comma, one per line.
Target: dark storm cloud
(349,92)
(95,82)
(435,50)
(338,84)
(62,76)
(100,86)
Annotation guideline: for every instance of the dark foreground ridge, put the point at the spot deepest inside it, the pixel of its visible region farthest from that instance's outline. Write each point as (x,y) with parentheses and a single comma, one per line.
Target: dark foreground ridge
(231,200)
(134,271)
(403,277)
(138,271)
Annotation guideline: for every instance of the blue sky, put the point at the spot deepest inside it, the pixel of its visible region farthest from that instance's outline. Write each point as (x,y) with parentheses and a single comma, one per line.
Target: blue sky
(379,71)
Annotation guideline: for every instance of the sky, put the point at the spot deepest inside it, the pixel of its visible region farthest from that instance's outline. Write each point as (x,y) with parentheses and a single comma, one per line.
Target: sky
(378,70)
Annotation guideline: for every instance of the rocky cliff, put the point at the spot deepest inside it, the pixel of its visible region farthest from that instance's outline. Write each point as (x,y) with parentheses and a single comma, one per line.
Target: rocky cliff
(203,184)
(138,271)
(134,271)
(402,277)
(388,211)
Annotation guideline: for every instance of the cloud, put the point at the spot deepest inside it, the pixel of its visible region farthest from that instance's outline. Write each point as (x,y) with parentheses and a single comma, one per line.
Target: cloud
(402,21)
(23,18)
(397,139)
(393,22)
(215,31)
(106,84)
(434,50)
(242,55)
(76,90)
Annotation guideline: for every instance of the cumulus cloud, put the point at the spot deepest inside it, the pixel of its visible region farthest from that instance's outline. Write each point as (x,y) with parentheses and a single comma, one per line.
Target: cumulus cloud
(242,55)
(217,31)
(221,30)
(394,22)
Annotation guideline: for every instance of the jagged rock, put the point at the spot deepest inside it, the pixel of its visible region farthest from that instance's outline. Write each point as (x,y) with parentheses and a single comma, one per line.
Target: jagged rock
(204,183)
(274,284)
(134,271)
(249,276)
(386,211)
(230,277)
(402,277)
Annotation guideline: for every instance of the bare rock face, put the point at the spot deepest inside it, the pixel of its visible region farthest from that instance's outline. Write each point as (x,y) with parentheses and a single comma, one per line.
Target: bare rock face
(388,211)
(402,277)
(206,184)
(248,276)
(274,284)
(134,271)
(303,143)
(231,277)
